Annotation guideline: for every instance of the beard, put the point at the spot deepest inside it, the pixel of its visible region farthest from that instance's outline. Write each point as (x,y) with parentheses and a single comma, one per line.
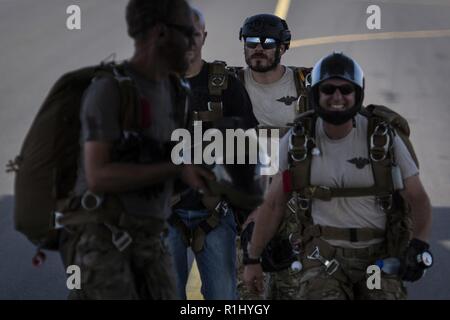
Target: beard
(258,66)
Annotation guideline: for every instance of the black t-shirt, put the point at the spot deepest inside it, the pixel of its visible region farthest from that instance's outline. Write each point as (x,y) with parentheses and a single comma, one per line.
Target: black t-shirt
(235,102)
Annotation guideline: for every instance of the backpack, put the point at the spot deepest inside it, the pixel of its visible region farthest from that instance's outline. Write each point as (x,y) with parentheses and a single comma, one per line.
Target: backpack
(46,168)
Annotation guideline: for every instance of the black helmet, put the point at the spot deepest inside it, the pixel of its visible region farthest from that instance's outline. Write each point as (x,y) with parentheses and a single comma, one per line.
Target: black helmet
(267,26)
(337,65)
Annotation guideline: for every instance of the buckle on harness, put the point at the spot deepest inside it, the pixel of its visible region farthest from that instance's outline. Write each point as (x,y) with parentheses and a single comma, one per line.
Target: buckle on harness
(385,202)
(297,202)
(120,238)
(293,150)
(379,153)
(57,216)
(210,105)
(218,80)
(331,266)
(90,201)
(222,207)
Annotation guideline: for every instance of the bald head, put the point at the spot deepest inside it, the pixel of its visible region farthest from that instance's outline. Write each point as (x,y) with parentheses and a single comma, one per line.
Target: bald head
(199,19)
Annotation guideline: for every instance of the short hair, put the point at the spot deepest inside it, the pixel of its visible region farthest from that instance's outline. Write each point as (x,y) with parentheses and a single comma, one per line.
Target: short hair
(142,15)
(198,16)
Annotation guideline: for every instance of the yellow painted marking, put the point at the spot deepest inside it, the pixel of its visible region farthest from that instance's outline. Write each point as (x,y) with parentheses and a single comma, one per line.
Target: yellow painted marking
(282,8)
(370,36)
(194,284)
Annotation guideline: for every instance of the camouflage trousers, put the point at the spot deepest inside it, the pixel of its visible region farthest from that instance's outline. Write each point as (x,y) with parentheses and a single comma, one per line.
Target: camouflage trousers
(351,284)
(283,285)
(142,271)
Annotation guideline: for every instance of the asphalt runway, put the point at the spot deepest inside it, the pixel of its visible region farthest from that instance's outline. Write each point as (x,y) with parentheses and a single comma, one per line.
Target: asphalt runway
(406,68)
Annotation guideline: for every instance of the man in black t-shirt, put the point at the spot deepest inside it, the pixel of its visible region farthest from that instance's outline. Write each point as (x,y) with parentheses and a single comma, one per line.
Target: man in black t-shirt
(214,244)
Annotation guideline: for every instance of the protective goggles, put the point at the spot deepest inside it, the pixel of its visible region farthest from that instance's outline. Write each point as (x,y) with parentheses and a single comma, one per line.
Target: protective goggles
(266,43)
(344,89)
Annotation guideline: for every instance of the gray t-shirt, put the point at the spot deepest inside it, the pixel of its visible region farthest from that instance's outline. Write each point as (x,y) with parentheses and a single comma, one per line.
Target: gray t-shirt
(337,167)
(100,121)
(273,103)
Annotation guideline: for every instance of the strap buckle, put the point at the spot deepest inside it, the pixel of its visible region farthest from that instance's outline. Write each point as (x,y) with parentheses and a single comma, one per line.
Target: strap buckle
(294,151)
(56,222)
(379,152)
(217,80)
(212,103)
(120,238)
(331,266)
(90,201)
(222,208)
(385,202)
(319,192)
(297,202)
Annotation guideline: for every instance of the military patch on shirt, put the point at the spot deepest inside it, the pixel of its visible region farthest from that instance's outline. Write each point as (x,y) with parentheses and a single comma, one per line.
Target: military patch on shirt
(287,100)
(359,162)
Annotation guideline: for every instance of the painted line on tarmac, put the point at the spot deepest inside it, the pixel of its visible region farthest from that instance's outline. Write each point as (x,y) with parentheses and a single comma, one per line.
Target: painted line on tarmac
(194,284)
(282,8)
(370,36)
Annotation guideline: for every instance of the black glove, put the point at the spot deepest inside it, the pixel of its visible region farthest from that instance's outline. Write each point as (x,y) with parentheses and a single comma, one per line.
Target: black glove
(414,265)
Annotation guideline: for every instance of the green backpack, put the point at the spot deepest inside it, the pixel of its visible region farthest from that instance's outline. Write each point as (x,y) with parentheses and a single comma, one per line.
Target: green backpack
(46,167)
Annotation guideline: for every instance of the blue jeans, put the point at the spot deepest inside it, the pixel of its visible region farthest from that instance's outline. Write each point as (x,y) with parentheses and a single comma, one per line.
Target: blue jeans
(216,261)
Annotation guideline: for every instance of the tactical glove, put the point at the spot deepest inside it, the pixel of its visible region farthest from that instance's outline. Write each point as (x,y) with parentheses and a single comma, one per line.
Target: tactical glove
(418,258)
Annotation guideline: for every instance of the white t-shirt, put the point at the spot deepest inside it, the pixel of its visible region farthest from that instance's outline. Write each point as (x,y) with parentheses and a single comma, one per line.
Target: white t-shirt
(274,103)
(336,167)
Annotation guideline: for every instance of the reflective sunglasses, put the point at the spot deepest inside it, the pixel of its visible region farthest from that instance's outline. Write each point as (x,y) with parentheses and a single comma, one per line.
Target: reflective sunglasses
(344,89)
(188,32)
(266,43)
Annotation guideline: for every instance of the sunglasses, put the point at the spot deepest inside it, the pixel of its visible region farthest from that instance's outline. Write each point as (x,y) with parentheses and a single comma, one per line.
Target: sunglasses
(188,32)
(344,89)
(266,43)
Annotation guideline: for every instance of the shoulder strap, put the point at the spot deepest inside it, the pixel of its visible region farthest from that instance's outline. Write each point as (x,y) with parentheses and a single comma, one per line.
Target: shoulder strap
(300,74)
(395,120)
(217,83)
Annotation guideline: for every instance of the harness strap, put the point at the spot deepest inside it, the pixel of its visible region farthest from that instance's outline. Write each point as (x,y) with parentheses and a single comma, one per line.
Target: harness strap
(347,234)
(326,194)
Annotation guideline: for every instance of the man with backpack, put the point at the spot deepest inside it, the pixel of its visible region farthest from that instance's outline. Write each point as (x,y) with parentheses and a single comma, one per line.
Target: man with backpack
(209,227)
(350,191)
(105,205)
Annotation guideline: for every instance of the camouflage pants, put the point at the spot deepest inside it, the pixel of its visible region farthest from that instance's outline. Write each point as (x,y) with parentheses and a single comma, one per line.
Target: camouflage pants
(283,285)
(141,271)
(316,284)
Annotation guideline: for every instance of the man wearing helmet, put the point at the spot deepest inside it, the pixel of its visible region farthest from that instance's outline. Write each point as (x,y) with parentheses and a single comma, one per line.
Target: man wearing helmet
(278,95)
(273,88)
(352,200)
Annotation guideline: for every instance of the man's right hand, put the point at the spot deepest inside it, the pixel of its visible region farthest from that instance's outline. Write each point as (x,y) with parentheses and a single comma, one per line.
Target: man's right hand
(251,218)
(195,176)
(254,278)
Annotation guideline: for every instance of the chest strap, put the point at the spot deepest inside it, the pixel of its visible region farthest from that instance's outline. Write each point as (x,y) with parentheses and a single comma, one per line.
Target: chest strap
(326,194)
(346,234)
